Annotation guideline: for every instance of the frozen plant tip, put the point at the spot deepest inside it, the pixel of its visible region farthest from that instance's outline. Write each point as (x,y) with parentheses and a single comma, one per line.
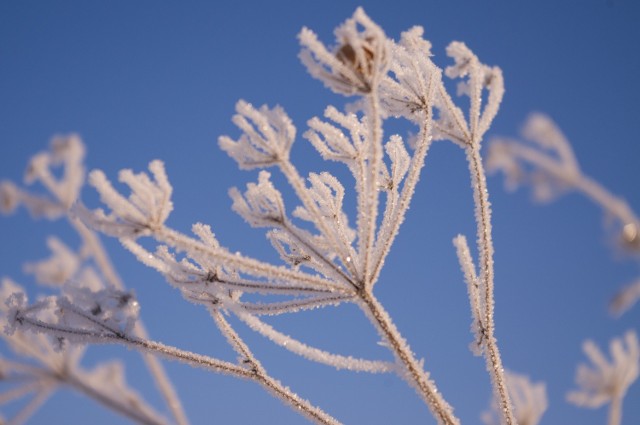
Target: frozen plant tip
(146,209)
(357,62)
(266,139)
(607,381)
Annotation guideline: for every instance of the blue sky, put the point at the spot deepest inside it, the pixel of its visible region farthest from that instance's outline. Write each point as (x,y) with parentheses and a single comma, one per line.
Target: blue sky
(145,80)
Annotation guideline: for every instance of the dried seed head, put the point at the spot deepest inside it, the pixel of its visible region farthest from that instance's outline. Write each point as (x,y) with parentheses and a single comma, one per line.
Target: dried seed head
(361,60)
(347,55)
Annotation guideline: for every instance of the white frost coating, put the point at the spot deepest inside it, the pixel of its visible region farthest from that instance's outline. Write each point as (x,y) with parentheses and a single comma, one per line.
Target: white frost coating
(474,289)
(330,142)
(335,360)
(468,134)
(50,363)
(326,262)
(266,139)
(607,381)
(407,90)
(147,207)
(529,401)
(261,205)
(66,152)
(356,64)
(327,194)
(70,268)
(541,129)
(203,231)
(290,250)
(200,280)
(400,161)
(97,310)
(57,269)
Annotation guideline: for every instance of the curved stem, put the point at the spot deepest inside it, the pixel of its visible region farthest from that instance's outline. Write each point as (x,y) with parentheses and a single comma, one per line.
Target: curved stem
(336,361)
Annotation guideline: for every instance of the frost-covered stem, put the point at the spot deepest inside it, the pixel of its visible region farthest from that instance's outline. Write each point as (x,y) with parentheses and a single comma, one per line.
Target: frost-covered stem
(368,228)
(110,336)
(162,381)
(260,375)
(155,367)
(254,267)
(395,220)
(615,411)
(338,274)
(607,201)
(451,109)
(296,181)
(130,411)
(485,250)
(590,188)
(300,405)
(311,353)
(414,372)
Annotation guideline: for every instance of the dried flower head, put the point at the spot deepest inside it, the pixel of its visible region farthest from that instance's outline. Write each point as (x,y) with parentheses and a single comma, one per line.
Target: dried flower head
(356,65)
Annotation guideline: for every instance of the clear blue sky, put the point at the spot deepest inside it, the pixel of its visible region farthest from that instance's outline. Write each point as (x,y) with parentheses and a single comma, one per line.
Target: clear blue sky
(144,80)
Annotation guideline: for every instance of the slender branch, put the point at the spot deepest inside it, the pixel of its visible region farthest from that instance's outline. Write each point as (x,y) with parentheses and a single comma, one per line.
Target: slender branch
(314,354)
(292,306)
(343,249)
(590,188)
(333,269)
(197,360)
(249,265)
(485,249)
(155,367)
(396,217)
(414,374)
(260,375)
(162,381)
(368,230)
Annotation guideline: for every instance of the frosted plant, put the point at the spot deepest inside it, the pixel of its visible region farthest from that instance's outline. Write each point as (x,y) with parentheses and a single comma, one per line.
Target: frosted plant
(607,382)
(327,259)
(87,281)
(529,401)
(549,165)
